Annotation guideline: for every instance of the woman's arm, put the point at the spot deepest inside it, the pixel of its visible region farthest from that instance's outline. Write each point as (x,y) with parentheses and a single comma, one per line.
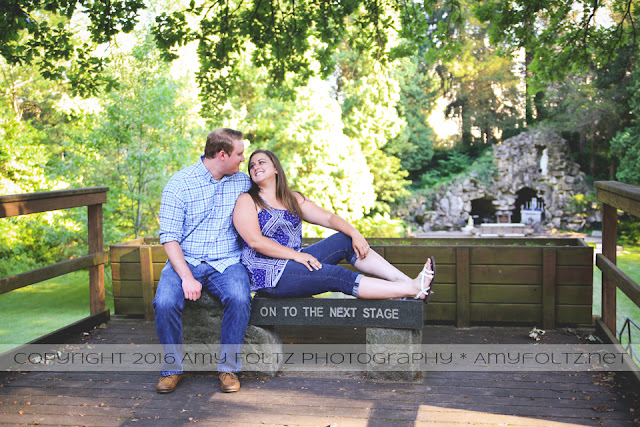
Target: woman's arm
(245,220)
(314,214)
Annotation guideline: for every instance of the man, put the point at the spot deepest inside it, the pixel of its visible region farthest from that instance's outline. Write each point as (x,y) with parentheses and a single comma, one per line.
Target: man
(197,233)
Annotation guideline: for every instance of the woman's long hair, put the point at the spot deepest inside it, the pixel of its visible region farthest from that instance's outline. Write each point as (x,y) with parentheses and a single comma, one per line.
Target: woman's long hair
(283,193)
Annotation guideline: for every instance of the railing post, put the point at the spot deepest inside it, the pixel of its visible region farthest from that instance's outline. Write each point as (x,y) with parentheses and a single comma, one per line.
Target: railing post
(549,261)
(148,293)
(609,242)
(96,273)
(463,315)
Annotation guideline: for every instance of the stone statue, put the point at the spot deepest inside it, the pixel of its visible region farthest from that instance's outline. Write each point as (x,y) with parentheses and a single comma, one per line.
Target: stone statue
(544,162)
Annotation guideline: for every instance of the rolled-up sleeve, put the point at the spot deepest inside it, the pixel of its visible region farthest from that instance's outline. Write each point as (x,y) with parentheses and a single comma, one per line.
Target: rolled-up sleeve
(172,213)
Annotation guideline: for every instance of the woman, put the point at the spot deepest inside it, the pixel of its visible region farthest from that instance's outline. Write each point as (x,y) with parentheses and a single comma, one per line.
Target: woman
(269,220)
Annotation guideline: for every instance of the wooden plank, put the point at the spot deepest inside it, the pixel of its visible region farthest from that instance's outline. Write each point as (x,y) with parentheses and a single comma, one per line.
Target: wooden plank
(444,273)
(115,271)
(133,271)
(44,273)
(128,288)
(440,312)
(128,306)
(443,292)
(148,291)
(129,252)
(24,204)
(96,244)
(581,295)
(510,313)
(506,255)
(573,314)
(609,244)
(574,275)
(506,274)
(158,254)
(574,256)
(548,288)
(517,294)
(462,287)
(619,279)
(625,197)
(124,253)
(419,254)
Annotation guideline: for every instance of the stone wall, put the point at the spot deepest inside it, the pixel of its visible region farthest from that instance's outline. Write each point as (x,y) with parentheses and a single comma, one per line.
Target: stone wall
(532,164)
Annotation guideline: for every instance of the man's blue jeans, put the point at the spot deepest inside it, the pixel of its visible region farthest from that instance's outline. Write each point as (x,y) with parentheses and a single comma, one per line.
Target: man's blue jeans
(230,287)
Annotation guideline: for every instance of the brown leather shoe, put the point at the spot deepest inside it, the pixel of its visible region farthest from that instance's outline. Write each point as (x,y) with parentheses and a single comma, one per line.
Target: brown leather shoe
(169,383)
(229,382)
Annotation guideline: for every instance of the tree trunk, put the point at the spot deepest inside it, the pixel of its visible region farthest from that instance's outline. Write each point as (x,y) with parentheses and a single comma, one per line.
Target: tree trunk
(592,154)
(583,140)
(529,119)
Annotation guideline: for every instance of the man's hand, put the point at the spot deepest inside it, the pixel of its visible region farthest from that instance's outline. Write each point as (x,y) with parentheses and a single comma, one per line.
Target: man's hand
(192,289)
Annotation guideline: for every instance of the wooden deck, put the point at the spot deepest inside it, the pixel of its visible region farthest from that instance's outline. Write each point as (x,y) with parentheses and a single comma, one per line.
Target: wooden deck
(444,398)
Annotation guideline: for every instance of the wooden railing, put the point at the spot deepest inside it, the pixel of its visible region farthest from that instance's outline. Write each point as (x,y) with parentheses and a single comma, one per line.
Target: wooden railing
(615,195)
(93,198)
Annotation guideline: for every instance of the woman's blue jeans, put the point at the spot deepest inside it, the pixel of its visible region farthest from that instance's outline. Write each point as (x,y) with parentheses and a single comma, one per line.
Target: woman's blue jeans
(298,281)
(230,287)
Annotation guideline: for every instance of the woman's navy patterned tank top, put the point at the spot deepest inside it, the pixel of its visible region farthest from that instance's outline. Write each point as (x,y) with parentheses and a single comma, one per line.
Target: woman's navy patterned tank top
(283,227)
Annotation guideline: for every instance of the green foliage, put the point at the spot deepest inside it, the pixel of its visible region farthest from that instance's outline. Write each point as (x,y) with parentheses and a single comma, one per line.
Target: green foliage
(590,109)
(583,202)
(370,95)
(142,136)
(450,165)
(480,84)
(418,92)
(380,225)
(292,41)
(561,36)
(44,34)
(138,136)
(33,241)
(626,144)
(319,159)
(629,230)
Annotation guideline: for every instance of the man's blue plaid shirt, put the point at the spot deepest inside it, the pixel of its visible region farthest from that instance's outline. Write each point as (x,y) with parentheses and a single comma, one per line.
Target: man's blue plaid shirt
(196,211)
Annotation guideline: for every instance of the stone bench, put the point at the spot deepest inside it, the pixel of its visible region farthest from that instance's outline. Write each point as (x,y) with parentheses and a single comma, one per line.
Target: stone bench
(387,322)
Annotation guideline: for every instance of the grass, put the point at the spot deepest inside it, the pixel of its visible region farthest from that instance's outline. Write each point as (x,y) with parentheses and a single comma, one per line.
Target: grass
(629,262)
(36,310)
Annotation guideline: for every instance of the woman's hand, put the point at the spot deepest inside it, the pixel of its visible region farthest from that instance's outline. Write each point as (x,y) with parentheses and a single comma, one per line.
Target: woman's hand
(360,245)
(308,261)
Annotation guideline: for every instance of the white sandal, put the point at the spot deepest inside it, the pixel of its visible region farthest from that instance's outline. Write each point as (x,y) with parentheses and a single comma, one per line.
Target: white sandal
(431,274)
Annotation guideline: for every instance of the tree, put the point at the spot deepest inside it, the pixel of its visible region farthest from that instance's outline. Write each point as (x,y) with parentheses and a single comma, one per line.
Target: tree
(480,84)
(143,135)
(319,159)
(591,108)
(369,95)
(418,94)
(560,37)
(626,144)
(44,33)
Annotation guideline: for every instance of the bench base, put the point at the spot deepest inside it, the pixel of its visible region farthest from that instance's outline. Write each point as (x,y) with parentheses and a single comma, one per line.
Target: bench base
(202,320)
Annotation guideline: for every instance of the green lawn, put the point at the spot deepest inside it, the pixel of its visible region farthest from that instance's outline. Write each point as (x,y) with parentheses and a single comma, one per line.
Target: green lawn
(33,311)
(629,262)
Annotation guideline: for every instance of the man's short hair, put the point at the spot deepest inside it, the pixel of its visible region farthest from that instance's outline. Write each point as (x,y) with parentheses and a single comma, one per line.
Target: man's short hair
(221,140)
